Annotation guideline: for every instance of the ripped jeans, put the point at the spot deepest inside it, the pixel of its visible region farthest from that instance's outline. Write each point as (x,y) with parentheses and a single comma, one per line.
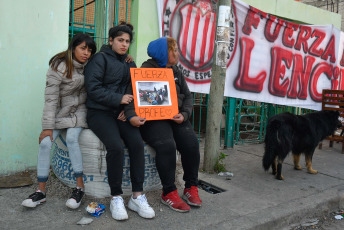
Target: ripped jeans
(72,140)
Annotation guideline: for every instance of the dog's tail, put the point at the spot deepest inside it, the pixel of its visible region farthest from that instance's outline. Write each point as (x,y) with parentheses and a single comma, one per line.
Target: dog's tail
(271,143)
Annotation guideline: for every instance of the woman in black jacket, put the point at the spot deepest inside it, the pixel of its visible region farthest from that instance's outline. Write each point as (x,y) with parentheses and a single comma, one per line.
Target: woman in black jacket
(167,136)
(107,76)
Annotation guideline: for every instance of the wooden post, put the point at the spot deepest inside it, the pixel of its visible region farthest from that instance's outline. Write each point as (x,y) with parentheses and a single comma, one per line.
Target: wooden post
(212,137)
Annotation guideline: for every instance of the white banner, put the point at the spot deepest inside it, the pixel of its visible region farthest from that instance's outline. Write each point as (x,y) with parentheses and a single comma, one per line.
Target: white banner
(268,59)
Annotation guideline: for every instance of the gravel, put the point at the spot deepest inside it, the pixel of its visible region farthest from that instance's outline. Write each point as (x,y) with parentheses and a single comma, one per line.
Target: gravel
(321,222)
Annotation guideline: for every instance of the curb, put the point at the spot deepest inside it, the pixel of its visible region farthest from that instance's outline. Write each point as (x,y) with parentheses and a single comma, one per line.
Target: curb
(279,217)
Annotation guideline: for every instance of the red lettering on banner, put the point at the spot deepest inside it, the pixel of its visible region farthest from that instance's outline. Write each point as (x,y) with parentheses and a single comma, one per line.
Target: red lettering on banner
(335,81)
(302,59)
(279,55)
(321,68)
(342,59)
(252,19)
(262,14)
(287,39)
(300,75)
(267,32)
(341,84)
(320,36)
(243,81)
(330,50)
(304,35)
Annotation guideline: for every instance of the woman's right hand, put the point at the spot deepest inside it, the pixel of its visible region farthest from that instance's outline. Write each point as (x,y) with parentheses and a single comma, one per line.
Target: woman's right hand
(137,121)
(127,98)
(45,133)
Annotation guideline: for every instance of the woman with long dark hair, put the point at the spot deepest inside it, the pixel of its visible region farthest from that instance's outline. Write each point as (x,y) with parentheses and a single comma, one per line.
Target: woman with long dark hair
(64,108)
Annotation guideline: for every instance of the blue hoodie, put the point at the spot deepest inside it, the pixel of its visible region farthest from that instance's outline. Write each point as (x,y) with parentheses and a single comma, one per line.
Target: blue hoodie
(158,50)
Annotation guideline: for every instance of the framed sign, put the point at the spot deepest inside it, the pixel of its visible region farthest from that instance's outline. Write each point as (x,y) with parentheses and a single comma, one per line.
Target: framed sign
(155,95)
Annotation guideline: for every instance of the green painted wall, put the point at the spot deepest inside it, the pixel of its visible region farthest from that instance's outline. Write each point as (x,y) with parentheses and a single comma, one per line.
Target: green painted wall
(31,33)
(297,11)
(144,17)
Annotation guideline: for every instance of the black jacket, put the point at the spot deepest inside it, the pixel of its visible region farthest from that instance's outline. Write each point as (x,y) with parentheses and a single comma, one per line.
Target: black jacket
(107,76)
(183,93)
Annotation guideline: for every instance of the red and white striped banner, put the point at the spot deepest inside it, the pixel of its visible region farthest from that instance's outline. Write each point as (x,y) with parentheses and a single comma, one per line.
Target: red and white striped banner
(192,23)
(197,23)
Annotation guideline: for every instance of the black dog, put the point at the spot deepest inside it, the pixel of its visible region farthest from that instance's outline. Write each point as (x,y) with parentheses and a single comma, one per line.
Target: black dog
(287,132)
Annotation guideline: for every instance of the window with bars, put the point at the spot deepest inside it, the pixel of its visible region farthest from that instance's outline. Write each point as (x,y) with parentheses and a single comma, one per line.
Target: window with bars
(83,15)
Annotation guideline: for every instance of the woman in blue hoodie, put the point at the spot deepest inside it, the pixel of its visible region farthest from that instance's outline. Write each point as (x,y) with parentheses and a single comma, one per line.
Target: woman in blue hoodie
(167,136)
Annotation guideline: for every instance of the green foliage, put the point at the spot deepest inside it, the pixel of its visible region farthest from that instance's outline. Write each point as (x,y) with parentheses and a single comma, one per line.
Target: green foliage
(53,174)
(220,165)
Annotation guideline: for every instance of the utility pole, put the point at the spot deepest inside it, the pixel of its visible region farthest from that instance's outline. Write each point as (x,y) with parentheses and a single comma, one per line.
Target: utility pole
(212,137)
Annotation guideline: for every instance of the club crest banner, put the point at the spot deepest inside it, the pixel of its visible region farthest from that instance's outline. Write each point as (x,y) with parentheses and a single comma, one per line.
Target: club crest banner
(192,23)
(268,59)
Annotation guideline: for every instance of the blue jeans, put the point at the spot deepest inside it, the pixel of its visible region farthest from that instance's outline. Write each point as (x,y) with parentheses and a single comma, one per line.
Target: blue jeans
(72,140)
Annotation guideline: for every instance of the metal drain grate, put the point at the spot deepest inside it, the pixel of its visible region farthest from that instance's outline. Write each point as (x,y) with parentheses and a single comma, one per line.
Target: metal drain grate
(209,187)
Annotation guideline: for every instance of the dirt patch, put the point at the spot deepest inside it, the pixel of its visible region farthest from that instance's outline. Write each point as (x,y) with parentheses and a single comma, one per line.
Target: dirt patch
(16,180)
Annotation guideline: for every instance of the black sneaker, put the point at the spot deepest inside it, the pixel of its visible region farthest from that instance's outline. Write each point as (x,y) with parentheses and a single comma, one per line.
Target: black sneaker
(34,199)
(75,200)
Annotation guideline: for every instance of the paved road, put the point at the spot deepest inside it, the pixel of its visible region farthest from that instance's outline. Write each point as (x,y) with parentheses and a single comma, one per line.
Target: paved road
(252,199)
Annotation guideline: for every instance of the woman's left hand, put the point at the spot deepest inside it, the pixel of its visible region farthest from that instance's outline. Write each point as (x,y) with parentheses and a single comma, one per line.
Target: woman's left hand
(121,116)
(179,118)
(129,59)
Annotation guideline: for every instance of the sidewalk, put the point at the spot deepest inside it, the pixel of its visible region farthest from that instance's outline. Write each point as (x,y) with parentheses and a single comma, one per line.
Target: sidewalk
(253,198)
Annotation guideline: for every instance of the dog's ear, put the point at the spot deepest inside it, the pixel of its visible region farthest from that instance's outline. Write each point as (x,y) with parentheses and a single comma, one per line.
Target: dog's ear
(333,112)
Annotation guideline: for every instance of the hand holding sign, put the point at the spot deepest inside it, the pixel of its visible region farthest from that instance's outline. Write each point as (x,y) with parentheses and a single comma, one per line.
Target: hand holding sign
(179,118)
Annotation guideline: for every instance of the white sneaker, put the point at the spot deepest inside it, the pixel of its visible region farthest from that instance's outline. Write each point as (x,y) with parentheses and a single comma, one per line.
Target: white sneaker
(75,200)
(34,199)
(117,208)
(141,206)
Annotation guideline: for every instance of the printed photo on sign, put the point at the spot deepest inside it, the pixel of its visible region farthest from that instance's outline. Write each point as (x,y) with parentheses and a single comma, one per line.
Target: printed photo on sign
(153,93)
